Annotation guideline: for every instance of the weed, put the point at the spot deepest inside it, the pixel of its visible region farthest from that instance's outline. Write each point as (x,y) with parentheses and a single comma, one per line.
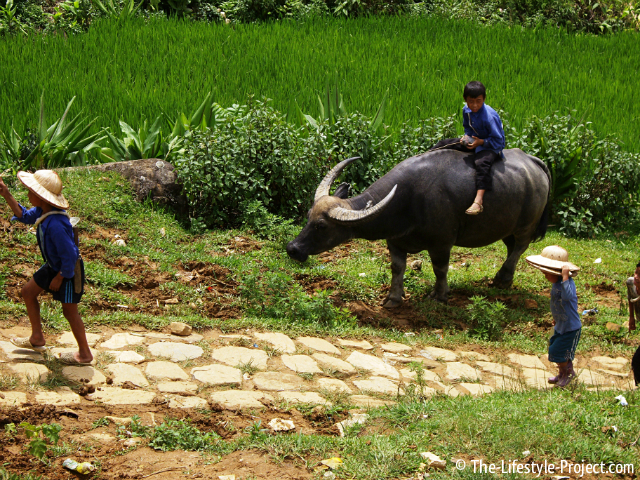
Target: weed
(38,446)
(248,367)
(5,475)
(101,422)
(487,317)
(134,429)
(8,382)
(306,375)
(181,435)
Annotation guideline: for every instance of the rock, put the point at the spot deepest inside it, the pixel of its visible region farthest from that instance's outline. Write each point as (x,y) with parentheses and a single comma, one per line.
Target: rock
(526,361)
(12,399)
(435,353)
(372,364)
(591,378)
(102,437)
(311,398)
(536,378)
(448,390)
(236,356)
(120,396)
(61,396)
(119,420)
(506,383)
(131,442)
(126,356)
(618,363)
(319,345)
(473,356)
(395,347)
(165,371)
(15,354)
(217,375)
(613,373)
(280,425)
(433,460)
(378,385)
(240,399)
(427,375)
(354,419)
(276,381)
(530,304)
(171,301)
(67,338)
(30,372)
(85,374)
(361,344)
(300,363)
(180,388)
(333,384)
(416,265)
(477,389)
(331,363)
(176,401)
(176,352)
(179,328)
(192,338)
(613,327)
(121,340)
(226,477)
(123,372)
(234,337)
(461,371)
(120,242)
(497,369)
(279,341)
(366,401)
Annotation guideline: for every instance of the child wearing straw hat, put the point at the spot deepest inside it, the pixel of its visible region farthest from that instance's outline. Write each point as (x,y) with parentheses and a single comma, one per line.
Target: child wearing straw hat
(554,263)
(60,253)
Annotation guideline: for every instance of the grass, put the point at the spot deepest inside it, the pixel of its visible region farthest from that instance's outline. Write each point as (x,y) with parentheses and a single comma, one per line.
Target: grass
(422,62)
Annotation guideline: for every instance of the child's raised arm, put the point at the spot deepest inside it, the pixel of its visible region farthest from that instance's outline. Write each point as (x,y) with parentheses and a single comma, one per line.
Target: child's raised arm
(12,202)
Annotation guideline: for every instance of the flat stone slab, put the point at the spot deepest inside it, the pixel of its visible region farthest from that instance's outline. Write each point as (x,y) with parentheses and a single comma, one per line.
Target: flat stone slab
(217,375)
(30,372)
(507,383)
(613,373)
(276,381)
(592,378)
(331,363)
(154,336)
(176,401)
(618,364)
(477,389)
(395,347)
(361,344)
(67,338)
(333,384)
(300,363)
(367,401)
(303,397)
(497,369)
(79,374)
(123,372)
(461,371)
(179,388)
(526,361)
(240,399)
(176,352)
(319,345)
(474,356)
(378,385)
(372,364)
(236,356)
(121,340)
(121,396)
(427,375)
(61,396)
(15,354)
(426,363)
(126,356)
(448,390)
(435,353)
(536,378)
(279,341)
(12,399)
(161,370)
(233,337)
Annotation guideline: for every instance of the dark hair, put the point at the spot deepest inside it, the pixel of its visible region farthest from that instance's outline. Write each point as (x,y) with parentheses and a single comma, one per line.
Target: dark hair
(474,90)
(638,265)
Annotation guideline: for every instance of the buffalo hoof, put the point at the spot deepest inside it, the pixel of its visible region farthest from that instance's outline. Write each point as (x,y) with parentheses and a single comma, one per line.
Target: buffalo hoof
(392,303)
(501,284)
(439,298)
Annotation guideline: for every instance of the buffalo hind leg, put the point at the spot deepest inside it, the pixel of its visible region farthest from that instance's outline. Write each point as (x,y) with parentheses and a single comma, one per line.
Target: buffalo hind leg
(440,264)
(515,248)
(398,266)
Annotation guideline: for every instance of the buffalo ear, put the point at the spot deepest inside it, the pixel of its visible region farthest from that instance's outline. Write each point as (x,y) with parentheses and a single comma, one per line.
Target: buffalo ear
(342,191)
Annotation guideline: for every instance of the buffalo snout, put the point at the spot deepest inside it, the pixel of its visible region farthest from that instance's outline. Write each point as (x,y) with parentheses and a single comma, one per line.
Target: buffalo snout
(295,253)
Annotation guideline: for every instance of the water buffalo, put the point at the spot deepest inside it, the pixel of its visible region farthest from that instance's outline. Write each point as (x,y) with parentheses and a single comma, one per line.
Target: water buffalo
(420,205)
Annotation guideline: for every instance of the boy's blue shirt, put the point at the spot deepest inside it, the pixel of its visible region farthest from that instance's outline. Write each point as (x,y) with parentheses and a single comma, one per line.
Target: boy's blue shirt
(55,239)
(564,306)
(486,125)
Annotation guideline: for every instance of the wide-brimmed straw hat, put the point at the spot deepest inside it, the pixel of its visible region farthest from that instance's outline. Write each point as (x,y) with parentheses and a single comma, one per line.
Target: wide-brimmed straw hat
(46,184)
(551,260)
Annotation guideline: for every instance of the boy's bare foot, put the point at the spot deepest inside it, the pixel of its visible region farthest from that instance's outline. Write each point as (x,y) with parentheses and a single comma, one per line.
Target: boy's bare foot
(25,342)
(74,358)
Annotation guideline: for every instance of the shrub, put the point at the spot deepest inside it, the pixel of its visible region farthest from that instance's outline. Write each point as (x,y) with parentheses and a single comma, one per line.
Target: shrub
(487,318)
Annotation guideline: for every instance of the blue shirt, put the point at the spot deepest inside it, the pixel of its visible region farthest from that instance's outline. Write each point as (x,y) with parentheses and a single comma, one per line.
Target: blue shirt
(484,124)
(55,239)
(564,306)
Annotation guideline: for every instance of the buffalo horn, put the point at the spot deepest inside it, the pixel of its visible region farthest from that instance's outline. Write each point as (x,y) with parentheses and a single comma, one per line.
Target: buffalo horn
(345,215)
(325,184)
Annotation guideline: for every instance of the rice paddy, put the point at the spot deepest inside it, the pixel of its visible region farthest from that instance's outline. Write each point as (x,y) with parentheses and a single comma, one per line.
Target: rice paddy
(139,69)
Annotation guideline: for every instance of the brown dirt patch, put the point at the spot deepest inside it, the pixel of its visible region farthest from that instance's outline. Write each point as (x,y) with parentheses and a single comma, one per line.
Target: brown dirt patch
(311,284)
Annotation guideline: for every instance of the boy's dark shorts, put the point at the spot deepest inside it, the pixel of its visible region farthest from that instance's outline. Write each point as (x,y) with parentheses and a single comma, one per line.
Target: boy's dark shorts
(66,294)
(562,347)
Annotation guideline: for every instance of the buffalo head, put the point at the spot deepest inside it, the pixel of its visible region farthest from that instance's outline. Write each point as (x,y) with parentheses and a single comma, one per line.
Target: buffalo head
(331,220)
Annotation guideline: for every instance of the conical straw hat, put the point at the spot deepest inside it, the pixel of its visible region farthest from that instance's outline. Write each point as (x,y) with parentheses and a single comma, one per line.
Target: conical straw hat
(551,260)
(47,185)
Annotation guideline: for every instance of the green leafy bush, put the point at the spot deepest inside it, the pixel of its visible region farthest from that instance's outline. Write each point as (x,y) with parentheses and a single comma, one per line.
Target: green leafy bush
(487,318)
(175,434)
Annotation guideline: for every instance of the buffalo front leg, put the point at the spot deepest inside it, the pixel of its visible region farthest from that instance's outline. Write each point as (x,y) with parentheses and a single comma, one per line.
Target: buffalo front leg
(398,266)
(515,248)
(440,264)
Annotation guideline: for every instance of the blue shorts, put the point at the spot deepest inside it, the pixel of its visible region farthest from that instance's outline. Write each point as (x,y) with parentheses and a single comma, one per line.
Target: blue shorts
(66,293)
(562,347)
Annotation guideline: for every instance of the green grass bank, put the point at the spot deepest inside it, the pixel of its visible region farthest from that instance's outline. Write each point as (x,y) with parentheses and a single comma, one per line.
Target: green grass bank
(138,69)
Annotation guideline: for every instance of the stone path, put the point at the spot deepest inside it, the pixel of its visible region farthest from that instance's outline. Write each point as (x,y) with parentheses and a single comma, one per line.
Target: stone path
(253,369)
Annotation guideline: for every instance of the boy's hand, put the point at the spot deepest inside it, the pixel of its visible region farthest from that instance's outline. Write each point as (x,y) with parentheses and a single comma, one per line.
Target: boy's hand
(476,143)
(54,286)
(565,273)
